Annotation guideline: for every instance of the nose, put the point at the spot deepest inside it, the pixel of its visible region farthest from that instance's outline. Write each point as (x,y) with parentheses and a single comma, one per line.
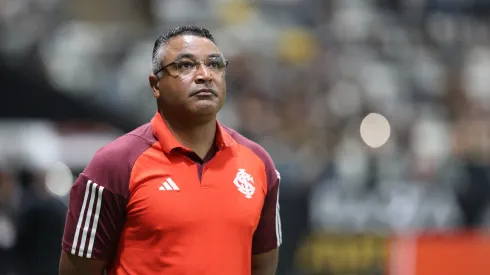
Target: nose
(202,74)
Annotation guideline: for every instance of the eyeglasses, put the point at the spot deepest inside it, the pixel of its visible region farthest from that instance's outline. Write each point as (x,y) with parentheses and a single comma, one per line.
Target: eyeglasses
(186,68)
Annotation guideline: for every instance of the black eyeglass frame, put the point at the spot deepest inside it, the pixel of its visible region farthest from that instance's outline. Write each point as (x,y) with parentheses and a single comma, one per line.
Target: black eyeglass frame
(177,62)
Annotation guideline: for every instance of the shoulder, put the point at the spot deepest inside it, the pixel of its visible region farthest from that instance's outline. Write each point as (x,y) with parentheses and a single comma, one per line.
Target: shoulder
(256,148)
(126,147)
(259,151)
(112,164)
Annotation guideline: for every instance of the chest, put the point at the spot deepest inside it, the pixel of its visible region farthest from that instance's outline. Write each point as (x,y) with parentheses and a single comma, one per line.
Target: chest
(178,194)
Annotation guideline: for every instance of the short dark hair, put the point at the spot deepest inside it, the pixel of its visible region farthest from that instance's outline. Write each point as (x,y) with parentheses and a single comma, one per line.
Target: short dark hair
(161,42)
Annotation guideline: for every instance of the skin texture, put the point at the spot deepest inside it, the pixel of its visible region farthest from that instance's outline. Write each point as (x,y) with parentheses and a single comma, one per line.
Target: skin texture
(175,94)
(192,119)
(73,265)
(265,263)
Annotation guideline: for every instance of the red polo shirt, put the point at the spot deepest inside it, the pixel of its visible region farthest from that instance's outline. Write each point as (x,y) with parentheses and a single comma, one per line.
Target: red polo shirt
(147,205)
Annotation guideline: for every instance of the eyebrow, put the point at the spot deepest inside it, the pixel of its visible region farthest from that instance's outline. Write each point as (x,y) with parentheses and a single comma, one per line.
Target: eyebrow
(191,56)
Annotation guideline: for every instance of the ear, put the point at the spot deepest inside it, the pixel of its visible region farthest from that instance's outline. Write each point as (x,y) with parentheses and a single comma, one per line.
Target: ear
(155,85)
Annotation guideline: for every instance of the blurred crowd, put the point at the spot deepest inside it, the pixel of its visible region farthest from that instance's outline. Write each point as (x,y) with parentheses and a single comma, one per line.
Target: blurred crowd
(302,76)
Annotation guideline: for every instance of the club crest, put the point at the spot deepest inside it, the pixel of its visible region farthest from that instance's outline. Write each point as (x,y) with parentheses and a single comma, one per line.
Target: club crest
(245,183)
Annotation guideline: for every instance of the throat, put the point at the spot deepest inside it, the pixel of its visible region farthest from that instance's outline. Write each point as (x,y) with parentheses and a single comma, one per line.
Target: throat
(198,138)
(202,152)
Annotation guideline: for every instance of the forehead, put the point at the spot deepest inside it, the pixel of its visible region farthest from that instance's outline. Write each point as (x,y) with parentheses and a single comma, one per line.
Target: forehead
(199,47)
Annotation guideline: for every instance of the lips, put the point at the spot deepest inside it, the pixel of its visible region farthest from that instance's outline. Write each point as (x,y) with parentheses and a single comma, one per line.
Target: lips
(204,92)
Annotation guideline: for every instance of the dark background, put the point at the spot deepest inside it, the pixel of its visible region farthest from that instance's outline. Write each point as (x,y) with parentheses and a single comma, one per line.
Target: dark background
(302,76)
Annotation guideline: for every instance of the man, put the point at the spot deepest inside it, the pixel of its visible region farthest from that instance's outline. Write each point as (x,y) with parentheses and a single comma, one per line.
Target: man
(181,194)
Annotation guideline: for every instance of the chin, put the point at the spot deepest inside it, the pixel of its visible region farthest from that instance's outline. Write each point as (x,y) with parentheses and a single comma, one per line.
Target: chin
(205,108)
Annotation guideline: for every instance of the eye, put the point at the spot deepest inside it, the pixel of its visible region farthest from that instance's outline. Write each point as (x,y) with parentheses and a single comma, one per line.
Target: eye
(184,65)
(217,64)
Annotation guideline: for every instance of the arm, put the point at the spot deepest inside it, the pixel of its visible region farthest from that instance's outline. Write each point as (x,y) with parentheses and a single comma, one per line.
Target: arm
(267,237)
(94,220)
(74,265)
(265,263)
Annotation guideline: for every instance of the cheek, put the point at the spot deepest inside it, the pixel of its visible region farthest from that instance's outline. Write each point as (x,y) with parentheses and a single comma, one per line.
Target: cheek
(173,92)
(221,85)
(185,79)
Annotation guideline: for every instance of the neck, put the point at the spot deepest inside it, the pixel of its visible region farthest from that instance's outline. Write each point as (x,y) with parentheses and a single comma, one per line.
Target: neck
(197,136)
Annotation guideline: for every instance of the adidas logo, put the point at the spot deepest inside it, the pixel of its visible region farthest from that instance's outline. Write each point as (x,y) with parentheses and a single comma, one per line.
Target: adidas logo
(169,185)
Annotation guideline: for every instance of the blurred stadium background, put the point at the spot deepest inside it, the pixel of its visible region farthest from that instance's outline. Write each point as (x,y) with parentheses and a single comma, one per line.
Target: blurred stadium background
(303,75)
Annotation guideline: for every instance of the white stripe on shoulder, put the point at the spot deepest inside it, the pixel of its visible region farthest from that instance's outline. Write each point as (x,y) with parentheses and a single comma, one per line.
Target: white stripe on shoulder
(278,217)
(96,221)
(80,218)
(86,228)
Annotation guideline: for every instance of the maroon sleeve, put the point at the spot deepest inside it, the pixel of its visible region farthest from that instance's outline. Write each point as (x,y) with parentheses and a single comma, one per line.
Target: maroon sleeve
(268,234)
(98,199)
(94,220)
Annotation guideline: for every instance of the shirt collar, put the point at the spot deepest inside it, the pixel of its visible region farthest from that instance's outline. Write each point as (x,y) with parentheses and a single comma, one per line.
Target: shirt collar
(168,141)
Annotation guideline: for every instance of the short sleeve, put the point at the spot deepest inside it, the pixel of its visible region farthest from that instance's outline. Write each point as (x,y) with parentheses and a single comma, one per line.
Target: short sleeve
(98,198)
(97,204)
(94,221)
(268,235)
